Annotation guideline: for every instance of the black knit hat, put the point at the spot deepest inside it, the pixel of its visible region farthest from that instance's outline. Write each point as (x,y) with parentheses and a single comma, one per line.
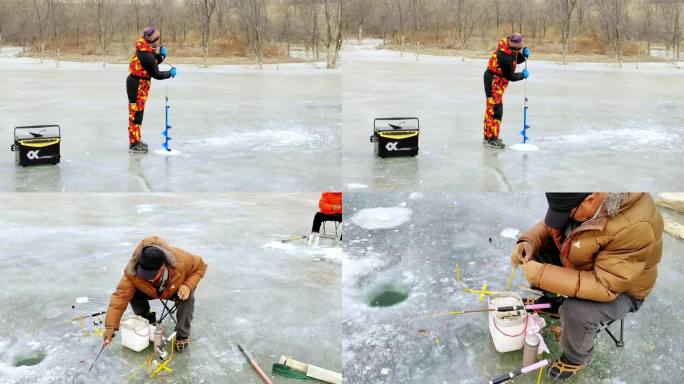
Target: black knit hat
(560,205)
(151,259)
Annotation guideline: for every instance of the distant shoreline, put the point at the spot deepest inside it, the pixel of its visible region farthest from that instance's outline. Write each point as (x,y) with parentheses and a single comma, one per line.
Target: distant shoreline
(409,49)
(120,58)
(553,57)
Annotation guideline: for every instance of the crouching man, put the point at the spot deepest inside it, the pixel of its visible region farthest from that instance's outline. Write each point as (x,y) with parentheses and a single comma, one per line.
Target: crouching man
(157,271)
(601,251)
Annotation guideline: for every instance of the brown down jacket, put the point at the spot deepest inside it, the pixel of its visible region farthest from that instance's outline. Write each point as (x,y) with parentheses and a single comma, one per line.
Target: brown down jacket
(616,252)
(184,268)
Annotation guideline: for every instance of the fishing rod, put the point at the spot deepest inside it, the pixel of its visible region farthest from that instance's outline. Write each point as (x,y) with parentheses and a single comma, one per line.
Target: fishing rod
(104,346)
(88,316)
(508,308)
(508,376)
(293,238)
(254,365)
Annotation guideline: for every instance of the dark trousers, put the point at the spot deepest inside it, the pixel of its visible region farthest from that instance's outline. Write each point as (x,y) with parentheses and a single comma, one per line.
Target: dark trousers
(581,318)
(184,310)
(320,217)
(494,86)
(137,90)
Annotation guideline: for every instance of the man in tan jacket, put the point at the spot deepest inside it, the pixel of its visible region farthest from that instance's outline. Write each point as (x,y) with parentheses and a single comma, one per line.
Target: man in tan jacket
(601,251)
(157,271)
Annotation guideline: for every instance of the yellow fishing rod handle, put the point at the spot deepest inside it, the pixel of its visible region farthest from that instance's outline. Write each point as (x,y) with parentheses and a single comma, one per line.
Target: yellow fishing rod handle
(33,144)
(397,136)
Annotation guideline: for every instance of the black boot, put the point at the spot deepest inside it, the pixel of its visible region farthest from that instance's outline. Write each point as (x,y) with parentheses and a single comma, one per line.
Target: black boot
(138,147)
(151,316)
(494,142)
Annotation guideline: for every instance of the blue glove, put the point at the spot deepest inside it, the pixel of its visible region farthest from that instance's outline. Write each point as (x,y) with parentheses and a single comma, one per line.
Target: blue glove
(526,74)
(173,72)
(526,52)
(162,52)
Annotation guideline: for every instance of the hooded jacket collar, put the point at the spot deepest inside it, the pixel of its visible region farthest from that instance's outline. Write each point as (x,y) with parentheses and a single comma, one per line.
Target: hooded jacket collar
(505,47)
(143,46)
(170,257)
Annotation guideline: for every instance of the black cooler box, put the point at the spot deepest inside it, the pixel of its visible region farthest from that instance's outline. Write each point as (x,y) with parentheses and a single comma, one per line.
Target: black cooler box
(37,144)
(396,136)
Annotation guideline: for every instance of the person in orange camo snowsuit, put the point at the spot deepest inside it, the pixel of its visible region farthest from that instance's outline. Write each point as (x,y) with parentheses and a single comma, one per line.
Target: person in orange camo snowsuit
(144,66)
(330,209)
(501,70)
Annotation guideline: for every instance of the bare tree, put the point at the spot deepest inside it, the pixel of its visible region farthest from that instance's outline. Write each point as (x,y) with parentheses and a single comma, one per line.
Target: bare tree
(497,12)
(333,37)
(287,25)
(54,11)
(205,11)
(253,19)
(613,14)
(468,18)
(106,24)
(672,18)
(565,9)
(41,40)
(400,30)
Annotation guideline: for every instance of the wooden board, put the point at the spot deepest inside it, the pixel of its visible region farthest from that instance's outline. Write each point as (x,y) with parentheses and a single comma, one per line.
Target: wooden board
(311,370)
(674,228)
(671,200)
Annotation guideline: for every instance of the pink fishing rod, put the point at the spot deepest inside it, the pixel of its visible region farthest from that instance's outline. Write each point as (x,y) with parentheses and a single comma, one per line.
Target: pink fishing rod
(505,377)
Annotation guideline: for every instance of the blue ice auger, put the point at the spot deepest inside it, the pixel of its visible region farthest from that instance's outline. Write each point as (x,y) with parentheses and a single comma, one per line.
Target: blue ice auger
(165,133)
(523,133)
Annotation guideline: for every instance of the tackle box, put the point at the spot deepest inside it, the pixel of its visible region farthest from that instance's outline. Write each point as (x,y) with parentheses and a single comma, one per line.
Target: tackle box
(36,144)
(396,136)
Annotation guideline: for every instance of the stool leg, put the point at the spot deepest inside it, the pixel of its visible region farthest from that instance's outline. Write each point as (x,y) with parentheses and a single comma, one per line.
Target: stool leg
(618,342)
(622,333)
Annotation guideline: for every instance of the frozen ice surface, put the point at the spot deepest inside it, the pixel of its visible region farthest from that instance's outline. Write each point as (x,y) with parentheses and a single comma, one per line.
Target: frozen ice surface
(593,124)
(273,301)
(236,128)
(421,256)
(376,218)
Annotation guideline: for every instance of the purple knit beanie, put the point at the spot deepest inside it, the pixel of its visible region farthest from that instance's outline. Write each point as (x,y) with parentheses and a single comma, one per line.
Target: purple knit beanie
(151,34)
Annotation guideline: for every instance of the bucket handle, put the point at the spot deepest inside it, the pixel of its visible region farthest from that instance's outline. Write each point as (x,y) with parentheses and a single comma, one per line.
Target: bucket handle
(505,334)
(148,332)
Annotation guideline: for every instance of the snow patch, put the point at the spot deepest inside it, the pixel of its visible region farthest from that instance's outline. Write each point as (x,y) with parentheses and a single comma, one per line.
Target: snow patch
(382,218)
(164,152)
(351,186)
(527,147)
(82,300)
(415,195)
(144,208)
(510,233)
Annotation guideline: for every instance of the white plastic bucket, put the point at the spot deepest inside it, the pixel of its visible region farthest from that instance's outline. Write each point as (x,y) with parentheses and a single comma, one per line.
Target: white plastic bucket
(135,333)
(507,328)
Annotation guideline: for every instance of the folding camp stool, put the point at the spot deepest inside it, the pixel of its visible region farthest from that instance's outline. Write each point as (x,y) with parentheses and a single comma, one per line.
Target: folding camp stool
(169,311)
(620,343)
(338,231)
